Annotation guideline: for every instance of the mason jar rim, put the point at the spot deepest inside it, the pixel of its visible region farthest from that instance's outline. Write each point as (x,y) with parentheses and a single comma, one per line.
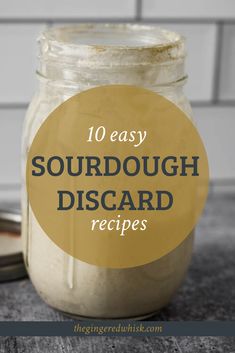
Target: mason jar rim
(91,43)
(171,37)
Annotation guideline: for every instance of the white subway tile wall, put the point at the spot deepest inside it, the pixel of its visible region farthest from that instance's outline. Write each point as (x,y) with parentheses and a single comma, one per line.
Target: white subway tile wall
(18,61)
(208,25)
(200,63)
(227,72)
(54,9)
(11,121)
(216,126)
(198,9)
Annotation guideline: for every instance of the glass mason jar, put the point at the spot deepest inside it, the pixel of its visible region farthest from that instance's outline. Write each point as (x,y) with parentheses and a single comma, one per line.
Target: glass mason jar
(74,59)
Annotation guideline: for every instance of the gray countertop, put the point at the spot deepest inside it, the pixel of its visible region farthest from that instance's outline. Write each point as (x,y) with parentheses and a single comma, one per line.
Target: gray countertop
(208,293)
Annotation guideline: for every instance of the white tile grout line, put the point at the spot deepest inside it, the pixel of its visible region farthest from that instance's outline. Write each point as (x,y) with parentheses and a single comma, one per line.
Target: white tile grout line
(196,104)
(217,62)
(223,186)
(9,187)
(136,18)
(64,20)
(213,104)
(14,105)
(189,20)
(139,5)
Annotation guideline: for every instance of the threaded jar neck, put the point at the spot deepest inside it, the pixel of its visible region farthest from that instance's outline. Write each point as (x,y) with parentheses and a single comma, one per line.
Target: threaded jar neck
(111,54)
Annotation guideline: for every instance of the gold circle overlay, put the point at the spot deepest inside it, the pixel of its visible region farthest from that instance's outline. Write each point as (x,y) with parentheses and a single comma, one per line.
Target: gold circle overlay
(169,132)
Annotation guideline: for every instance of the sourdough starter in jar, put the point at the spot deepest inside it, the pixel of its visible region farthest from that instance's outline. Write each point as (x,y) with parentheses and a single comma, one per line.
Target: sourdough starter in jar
(74,59)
